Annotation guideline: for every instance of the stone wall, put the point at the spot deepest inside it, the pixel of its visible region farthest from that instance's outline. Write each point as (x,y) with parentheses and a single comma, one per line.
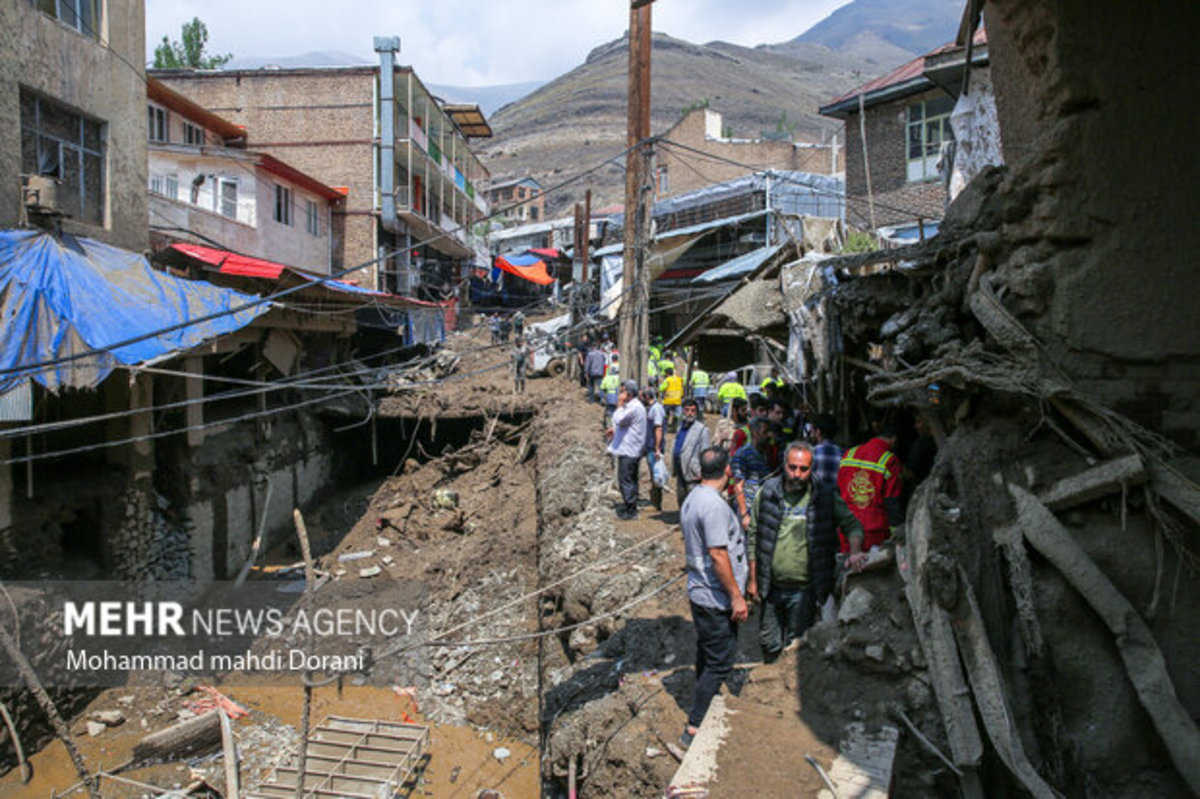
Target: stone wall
(1103,265)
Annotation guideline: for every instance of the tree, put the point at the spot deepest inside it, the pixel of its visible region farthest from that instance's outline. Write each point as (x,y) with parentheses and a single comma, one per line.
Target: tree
(174,55)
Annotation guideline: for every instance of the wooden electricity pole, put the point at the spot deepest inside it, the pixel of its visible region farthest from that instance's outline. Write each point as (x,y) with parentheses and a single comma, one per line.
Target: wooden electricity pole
(632,341)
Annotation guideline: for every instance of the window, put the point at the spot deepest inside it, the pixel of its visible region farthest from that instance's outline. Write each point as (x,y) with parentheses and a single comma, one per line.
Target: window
(225,197)
(312,217)
(283,205)
(165,185)
(192,134)
(664,182)
(57,142)
(533,213)
(928,129)
(81,15)
(157,124)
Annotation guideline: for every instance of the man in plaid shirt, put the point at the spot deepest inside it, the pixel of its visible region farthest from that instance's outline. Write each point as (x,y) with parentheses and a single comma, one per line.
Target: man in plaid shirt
(826,454)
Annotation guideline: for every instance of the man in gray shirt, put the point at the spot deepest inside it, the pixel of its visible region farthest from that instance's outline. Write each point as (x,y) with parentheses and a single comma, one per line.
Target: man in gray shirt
(628,444)
(717,568)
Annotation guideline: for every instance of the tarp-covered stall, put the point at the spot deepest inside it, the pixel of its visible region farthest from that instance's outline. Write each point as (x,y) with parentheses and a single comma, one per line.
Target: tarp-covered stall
(61,297)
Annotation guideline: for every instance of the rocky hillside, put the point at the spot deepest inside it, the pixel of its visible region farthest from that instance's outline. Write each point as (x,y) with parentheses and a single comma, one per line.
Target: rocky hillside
(578,120)
(887,32)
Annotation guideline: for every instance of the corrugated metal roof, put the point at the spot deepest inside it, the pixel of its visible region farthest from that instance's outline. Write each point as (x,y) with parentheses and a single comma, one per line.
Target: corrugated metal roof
(911,72)
(739,266)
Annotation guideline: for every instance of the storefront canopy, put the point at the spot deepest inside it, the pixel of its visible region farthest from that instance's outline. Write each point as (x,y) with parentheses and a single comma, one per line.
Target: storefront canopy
(529,267)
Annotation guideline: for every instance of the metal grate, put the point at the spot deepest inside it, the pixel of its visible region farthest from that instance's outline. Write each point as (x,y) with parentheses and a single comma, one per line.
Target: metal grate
(352,759)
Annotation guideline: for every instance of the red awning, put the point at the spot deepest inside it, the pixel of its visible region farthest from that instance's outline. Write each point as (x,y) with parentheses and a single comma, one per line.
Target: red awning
(547,252)
(231,263)
(534,272)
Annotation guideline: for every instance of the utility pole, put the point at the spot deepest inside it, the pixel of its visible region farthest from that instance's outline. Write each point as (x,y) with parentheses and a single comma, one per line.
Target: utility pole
(631,340)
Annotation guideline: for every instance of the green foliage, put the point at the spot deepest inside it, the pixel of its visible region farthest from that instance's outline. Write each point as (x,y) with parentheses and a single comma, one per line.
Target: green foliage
(727,133)
(687,109)
(784,126)
(859,241)
(189,53)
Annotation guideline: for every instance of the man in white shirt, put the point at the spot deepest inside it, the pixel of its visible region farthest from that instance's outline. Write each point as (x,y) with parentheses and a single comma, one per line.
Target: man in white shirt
(628,444)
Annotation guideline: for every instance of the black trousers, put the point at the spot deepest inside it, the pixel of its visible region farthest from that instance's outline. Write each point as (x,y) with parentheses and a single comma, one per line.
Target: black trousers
(716,646)
(627,479)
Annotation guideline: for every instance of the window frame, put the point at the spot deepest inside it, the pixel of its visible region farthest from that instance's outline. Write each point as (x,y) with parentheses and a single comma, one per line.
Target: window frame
(158,124)
(193,134)
(312,216)
(225,206)
(282,212)
(75,18)
(70,157)
(922,168)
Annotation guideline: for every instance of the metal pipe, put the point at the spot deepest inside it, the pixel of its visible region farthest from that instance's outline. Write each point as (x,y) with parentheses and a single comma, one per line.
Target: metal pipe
(387,47)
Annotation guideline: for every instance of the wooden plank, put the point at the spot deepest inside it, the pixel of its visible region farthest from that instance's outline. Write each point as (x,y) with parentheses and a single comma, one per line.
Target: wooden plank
(1175,487)
(937,640)
(1096,482)
(988,687)
(1139,651)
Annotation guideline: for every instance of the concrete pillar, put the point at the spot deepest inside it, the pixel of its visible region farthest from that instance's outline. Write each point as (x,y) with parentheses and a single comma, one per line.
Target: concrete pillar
(194,392)
(6,487)
(141,453)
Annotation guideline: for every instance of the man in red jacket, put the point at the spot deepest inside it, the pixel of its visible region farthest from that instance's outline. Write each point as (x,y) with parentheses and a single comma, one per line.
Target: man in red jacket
(869,482)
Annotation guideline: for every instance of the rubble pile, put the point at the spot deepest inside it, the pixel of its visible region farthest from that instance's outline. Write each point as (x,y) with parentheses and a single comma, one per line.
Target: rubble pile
(1013,601)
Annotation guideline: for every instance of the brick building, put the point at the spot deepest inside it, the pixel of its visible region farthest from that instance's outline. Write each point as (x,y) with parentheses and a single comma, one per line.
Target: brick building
(519,201)
(906,118)
(207,188)
(702,130)
(74,115)
(410,216)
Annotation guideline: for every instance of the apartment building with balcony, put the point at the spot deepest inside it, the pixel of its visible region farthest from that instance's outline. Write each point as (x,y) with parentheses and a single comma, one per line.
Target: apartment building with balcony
(72,116)
(207,187)
(402,157)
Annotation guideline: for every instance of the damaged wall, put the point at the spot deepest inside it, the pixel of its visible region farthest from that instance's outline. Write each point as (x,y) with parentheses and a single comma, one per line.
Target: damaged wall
(1093,107)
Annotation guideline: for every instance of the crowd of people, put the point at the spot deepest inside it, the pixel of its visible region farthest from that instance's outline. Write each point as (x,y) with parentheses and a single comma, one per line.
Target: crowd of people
(771,508)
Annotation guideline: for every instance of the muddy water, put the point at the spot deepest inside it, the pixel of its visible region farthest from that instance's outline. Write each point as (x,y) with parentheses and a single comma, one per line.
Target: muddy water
(461,761)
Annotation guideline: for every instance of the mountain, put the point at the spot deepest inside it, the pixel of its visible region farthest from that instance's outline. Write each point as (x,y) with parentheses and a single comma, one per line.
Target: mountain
(887,32)
(488,98)
(321,58)
(577,120)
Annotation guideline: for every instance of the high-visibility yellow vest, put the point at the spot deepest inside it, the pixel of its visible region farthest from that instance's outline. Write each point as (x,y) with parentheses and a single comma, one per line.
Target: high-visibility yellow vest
(672,390)
(699,378)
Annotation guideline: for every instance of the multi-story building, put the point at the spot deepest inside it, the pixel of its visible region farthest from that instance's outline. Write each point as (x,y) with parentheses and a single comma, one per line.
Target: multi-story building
(518,202)
(701,132)
(72,101)
(206,187)
(402,156)
(905,115)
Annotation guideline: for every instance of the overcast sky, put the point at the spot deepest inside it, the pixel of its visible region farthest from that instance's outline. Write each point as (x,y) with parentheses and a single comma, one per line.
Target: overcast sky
(471,42)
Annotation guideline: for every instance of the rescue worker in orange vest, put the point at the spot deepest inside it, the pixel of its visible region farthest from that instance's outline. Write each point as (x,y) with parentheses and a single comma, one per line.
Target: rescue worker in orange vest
(868,479)
(672,396)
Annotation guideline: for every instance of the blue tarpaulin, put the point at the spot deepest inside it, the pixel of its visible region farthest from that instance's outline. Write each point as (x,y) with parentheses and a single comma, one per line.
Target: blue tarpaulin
(61,297)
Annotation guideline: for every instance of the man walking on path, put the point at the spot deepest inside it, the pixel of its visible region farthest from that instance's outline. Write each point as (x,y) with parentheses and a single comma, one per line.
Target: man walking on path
(827,455)
(750,469)
(717,570)
(628,444)
(672,396)
(655,417)
(594,369)
(521,355)
(692,439)
(793,541)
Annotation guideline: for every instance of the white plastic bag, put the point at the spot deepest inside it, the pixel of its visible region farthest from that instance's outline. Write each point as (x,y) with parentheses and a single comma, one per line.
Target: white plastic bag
(661,475)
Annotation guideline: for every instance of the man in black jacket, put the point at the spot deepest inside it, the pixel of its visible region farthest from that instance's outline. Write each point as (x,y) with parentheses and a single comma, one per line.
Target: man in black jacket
(793,541)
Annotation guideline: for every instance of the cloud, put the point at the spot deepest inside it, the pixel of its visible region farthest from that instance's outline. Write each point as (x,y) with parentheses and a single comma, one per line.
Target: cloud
(467,42)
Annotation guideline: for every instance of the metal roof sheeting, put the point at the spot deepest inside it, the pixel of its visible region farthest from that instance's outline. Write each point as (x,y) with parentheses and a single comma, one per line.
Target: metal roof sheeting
(742,265)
